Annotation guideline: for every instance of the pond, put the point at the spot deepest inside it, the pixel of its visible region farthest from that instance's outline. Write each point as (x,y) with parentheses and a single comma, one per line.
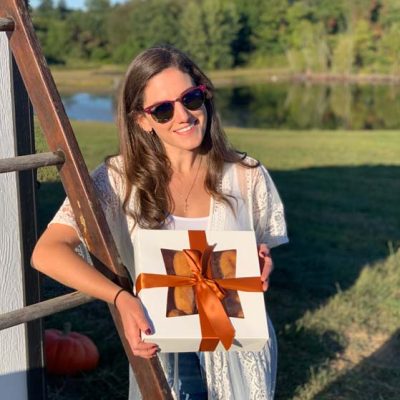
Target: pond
(285,105)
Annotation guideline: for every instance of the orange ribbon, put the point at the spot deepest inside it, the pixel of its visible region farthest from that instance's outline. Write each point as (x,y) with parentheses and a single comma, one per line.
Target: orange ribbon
(214,322)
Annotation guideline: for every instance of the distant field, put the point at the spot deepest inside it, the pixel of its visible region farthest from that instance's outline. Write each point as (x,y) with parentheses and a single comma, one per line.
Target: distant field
(106,78)
(335,291)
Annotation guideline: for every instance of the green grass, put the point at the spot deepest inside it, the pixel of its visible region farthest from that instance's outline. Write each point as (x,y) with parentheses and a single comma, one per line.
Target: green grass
(100,79)
(335,292)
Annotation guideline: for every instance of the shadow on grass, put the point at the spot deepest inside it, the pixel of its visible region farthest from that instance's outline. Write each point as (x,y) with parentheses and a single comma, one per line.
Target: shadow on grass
(339,218)
(376,377)
(50,197)
(110,378)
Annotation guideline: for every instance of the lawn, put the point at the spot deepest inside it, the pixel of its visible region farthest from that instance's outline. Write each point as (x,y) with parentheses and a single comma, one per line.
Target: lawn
(335,292)
(101,79)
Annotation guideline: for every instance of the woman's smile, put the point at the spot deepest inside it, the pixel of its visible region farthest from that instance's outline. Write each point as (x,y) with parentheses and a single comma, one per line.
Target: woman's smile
(187,130)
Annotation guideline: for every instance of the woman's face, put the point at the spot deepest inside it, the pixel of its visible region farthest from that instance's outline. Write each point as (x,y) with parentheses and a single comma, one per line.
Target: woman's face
(186,129)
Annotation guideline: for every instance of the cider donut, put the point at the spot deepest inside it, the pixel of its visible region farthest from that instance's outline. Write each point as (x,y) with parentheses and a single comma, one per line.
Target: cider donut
(227,264)
(183,295)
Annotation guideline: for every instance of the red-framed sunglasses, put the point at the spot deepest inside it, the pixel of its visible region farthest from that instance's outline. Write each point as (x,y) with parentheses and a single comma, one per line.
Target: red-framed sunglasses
(192,99)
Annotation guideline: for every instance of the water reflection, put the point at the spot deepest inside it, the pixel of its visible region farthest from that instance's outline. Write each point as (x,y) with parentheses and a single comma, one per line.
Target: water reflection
(311,106)
(281,106)
(89,107)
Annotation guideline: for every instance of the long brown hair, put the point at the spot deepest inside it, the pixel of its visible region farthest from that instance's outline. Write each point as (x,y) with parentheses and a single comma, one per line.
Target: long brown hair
(145,163)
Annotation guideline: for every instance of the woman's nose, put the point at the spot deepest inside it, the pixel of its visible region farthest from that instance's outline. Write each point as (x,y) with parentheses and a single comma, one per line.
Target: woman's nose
(181,112)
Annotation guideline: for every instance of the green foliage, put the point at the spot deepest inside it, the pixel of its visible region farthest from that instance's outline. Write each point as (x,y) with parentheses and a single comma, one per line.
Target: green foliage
(221,26)
(97,6)
(54,37)
(390,13)
(309,51)
(363,44)
(311,36)
(208,31)
(46,8)
(343,55)
(268,36)
(135,26)
(61,9)
(389,49)
(331,14)
(194,39)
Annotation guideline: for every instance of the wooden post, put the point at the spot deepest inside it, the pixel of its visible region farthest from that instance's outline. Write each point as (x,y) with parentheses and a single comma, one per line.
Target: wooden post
(21,353)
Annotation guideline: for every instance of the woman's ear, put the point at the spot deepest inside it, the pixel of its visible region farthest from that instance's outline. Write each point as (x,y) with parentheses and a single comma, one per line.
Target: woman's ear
(144,123)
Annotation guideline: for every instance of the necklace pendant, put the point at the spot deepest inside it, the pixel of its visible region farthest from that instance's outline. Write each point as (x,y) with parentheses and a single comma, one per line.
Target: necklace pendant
(185,208)
(186,203)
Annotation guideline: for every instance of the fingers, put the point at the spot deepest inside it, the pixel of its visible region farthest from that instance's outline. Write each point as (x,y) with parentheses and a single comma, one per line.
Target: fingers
(266,272)
(138,346)
(126,303)
(266,265)
(142,322)
(134,322)
(267,268)
(263,250)
(143,349)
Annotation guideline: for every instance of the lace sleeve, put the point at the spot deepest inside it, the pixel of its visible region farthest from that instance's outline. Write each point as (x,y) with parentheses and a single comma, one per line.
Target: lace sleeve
(65,216)
(107,188)
(268,211)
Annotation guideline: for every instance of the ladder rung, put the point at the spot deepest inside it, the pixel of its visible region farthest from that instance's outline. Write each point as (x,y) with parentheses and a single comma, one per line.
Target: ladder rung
(31,161)
(43,309)
(6,24)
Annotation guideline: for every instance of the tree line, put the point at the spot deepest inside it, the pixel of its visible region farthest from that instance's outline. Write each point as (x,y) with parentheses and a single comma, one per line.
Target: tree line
(309,36)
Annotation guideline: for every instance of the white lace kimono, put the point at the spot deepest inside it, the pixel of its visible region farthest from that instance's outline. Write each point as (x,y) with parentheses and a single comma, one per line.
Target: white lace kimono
(229,375)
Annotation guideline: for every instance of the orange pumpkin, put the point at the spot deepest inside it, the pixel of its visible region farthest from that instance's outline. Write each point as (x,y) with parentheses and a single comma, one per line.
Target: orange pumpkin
(68,353)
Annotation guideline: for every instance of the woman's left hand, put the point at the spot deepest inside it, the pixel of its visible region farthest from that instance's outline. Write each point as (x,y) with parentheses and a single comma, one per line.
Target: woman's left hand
(266,264)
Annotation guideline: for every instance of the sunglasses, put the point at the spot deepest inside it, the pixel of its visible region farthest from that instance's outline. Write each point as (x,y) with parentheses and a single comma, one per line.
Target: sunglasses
(192,99)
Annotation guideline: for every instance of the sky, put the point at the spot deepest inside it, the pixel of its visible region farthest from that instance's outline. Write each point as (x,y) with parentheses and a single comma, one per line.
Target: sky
(70,3)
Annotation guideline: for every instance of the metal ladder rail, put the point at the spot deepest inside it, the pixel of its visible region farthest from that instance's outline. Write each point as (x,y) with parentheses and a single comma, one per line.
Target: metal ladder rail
(14,19)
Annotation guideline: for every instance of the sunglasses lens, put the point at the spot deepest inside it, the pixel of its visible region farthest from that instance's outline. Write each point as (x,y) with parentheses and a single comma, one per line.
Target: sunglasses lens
(163,112)
(194,99)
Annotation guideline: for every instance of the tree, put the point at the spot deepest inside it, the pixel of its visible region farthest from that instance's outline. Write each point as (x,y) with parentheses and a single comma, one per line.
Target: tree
(222,25)
(268,38)
(389,49)
(343,55)
(364,46)
(390,13)
(306,40)
(331,13)
(62,10)
(194,40)
(210,27)
(97,6)
(135,26)
(46,8)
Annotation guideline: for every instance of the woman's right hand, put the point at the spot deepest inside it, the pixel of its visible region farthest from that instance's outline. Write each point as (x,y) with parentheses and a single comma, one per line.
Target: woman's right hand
(134,322)
(54,255)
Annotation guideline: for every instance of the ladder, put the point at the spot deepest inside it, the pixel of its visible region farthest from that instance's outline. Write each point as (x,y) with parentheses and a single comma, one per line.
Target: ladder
(66,155)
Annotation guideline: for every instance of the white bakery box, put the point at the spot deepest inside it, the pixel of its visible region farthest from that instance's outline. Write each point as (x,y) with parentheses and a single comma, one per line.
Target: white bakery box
(173,311)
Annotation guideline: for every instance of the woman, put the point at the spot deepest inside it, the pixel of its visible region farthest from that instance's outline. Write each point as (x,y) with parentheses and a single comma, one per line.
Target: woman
(175,170)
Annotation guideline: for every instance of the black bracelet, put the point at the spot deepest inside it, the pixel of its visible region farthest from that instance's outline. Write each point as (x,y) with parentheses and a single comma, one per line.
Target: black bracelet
(116,296)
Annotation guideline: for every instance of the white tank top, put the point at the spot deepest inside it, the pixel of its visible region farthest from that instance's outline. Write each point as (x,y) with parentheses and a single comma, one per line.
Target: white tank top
(184,224)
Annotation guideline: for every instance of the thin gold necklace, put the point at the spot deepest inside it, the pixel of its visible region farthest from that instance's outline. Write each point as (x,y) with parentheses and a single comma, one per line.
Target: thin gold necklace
(186,203)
